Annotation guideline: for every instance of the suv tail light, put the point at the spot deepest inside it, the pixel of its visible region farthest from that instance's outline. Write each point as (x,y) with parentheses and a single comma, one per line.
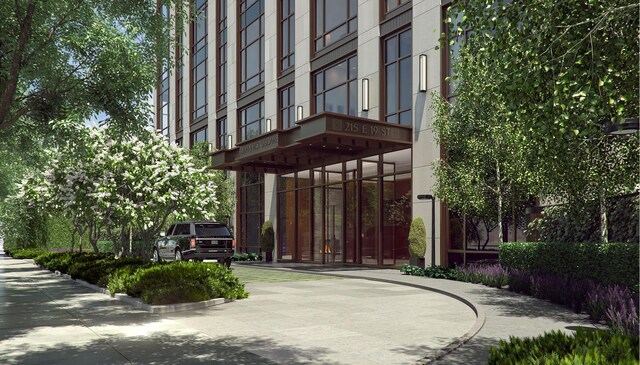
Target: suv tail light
(192,242)
(233,244)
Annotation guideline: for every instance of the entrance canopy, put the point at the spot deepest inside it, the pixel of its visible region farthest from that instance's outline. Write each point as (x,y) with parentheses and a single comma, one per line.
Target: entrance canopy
(321,139)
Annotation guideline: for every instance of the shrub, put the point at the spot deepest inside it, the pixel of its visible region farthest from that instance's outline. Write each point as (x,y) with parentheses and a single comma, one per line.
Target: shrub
(520,281)
(417,238)
(43,259)
(491,275)
(178,282)
(623,317)
(268,237)
(412,270)
(246,257)
(97,271)
(604,263)
(26,253)
(436,272)
(583,347)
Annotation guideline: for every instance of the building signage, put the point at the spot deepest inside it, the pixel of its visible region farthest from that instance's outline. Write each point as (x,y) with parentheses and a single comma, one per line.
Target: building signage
(260,145)
(364,129)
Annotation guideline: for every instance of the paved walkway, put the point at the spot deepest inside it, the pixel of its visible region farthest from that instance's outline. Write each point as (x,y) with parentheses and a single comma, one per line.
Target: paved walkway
(387,318)
(52,320)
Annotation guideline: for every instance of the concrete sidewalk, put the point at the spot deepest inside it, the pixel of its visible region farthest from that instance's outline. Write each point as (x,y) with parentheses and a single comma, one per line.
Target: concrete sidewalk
(506,313)
(48,319)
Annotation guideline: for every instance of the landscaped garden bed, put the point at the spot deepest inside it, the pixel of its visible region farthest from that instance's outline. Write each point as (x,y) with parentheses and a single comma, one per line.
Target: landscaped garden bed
(154,283)
(600,280)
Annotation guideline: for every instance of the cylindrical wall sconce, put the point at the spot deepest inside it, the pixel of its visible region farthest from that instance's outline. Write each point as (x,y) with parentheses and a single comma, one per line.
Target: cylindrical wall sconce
(269,127)
(299,113)
(229,141)
(422,73)
(365,95)
(211,147)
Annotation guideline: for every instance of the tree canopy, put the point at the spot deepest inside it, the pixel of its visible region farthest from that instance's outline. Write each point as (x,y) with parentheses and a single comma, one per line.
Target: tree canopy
(545,77)
(80,57)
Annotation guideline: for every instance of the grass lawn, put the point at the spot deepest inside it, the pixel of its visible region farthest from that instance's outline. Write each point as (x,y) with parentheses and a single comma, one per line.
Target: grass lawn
(257,275)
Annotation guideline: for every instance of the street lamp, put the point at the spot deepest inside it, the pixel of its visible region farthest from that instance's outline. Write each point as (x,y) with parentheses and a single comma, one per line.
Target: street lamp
(433,224)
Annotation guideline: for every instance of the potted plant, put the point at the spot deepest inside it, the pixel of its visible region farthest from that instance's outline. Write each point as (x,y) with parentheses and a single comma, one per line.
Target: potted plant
(417,242)
(268,241)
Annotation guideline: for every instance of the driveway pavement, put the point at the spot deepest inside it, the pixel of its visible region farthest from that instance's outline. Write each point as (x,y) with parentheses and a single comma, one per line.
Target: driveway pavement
(505,313)
(48,319)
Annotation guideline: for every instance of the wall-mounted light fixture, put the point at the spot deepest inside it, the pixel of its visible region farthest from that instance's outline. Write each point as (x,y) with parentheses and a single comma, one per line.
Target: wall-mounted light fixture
(422,73)
(365,95)
(211,147)
(299,113)
(269,126)
(229,141)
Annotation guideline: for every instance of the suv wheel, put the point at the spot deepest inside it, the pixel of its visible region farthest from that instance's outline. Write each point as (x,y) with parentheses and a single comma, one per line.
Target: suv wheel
(178,255)
(156,254)
(227,261)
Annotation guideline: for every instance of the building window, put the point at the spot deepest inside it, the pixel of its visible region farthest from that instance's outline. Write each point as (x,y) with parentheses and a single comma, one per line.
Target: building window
(287,107)
(334,20)
(251,44)
(163,92)
(222,140)
(392,4)
(397,75)
(179,142)
(287,33)
(336,89)
(251,211)
(199,136)
(179,72)
(252,121)
(222,52)
(199,61)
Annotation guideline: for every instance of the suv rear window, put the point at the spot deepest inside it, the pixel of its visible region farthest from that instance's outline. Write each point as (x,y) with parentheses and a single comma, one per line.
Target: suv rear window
(212,230)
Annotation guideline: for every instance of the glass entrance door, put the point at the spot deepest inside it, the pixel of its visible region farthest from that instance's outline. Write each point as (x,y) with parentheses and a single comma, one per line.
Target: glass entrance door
(333,227)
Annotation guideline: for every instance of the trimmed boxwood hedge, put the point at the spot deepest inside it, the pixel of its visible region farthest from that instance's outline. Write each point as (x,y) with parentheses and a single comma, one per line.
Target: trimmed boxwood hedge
(605,263)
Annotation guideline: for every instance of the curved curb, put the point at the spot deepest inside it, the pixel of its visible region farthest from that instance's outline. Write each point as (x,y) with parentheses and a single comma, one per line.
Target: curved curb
(477,326)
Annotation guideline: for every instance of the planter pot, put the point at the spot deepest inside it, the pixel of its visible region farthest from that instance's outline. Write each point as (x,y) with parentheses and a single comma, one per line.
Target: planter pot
(416,261)
(267,256)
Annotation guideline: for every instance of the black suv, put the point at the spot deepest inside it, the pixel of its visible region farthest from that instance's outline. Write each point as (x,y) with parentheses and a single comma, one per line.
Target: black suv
(197,240)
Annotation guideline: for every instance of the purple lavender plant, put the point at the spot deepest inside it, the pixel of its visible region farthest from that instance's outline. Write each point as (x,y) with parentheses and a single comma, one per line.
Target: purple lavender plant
(623,317)
(491,275)
(520,281)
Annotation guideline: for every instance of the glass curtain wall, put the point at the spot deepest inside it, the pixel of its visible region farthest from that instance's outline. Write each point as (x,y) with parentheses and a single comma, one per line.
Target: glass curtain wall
(353,212)
(251,211)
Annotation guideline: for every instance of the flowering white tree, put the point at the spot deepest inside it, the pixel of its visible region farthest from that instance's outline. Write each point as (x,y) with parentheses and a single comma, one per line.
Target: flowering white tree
(162,181)
(109,183)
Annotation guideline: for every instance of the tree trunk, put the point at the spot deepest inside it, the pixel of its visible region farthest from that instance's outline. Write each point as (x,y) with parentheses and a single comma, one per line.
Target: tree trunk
(499,193)
(9,92)
(73,238)
(604,230)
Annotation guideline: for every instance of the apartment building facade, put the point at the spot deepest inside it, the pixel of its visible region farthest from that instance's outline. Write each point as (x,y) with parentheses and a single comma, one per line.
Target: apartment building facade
(320,112)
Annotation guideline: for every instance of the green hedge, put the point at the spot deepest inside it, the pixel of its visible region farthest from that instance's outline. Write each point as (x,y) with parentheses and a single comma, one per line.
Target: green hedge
(177,282)
(585,347)
(98,271)
(154,283)
(25,253)
(606,263)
